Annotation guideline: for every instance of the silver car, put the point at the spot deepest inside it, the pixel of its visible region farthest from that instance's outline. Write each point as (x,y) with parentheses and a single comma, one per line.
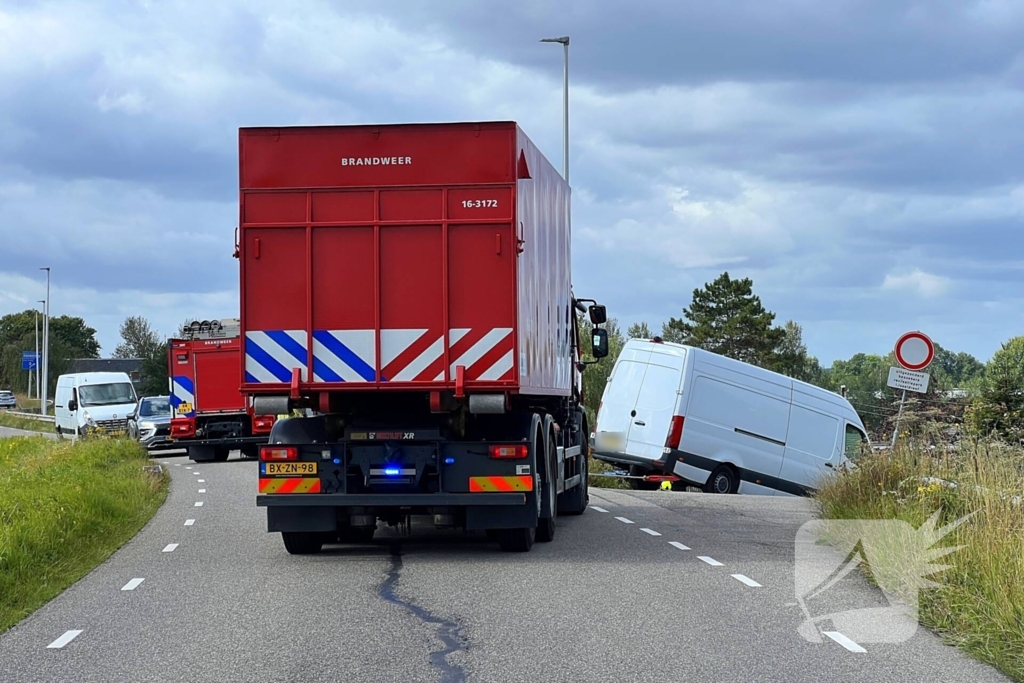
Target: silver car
(8,400)
(152,424)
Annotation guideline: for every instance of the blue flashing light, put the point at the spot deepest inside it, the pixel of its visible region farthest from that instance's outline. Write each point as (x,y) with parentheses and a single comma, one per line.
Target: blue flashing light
(449,461)
(392,471)
(337,461)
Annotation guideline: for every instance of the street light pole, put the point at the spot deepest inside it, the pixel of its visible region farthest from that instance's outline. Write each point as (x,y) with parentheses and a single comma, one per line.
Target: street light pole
(45,374)
(39,363)
(564,40)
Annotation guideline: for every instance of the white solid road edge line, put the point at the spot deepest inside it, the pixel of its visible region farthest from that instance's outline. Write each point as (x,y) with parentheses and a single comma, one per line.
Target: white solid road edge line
(594,507)
(624,520)
(652,532)
(679,545)
(132,585)
(710,560)
(844,641)
(169,548)
(64,639)
(747,580)
(189,522)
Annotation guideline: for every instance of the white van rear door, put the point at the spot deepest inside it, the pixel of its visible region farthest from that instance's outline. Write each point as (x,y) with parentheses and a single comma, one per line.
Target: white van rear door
(617,405)
(655,406)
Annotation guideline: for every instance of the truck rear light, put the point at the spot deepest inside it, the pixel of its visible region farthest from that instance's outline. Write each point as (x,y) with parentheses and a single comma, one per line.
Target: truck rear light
(183,429)
(262,424)
(279,453)
(516,452)
(675,432)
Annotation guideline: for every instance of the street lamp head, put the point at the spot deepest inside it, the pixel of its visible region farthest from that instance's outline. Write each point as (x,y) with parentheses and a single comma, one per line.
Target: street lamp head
(564,40)
(47,269)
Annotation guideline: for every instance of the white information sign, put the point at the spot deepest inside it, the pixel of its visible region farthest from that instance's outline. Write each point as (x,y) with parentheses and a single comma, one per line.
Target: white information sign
(908,380)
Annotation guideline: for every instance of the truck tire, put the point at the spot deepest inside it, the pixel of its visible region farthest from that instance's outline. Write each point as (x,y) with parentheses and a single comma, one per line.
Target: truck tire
(574,501)
(546,525)
(516,540)
(302,542)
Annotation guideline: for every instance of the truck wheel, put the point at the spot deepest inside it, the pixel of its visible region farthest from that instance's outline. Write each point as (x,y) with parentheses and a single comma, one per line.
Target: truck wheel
(574,501)
(722,480)
(302,542)
(546,525)
(516,540)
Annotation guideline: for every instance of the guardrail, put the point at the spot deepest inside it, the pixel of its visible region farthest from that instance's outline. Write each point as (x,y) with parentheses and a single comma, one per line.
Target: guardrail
(31,416)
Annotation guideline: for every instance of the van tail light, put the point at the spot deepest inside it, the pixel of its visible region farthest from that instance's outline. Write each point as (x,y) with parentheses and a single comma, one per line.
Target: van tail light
(516,452)
(262,424)
(274,453)
(675,432)
(183,428)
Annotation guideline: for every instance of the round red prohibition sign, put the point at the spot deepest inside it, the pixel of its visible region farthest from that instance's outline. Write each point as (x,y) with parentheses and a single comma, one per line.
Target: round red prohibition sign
(914,351)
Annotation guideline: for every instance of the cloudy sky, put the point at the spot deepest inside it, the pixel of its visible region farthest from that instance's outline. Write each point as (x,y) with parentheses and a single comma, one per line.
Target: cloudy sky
(862,162)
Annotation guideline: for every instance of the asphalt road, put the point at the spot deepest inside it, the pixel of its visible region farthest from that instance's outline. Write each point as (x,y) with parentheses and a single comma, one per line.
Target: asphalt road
(7,431)
(221,600)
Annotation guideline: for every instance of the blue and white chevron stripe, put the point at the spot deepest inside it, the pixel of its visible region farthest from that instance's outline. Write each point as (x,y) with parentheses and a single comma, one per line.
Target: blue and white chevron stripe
(183,391)
(270,355)
(344,356)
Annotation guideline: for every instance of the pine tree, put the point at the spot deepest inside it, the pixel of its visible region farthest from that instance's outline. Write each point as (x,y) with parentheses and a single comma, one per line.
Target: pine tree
(638,331)
(727,318)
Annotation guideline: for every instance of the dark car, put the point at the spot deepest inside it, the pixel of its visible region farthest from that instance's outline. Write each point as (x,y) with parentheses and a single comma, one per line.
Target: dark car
(152,426)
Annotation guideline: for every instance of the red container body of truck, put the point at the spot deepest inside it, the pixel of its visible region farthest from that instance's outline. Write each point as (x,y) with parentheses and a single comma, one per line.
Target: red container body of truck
(408,288)
(209,415)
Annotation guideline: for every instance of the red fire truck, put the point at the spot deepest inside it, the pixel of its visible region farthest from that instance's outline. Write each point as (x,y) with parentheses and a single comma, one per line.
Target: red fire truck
(408,288)
(209,415)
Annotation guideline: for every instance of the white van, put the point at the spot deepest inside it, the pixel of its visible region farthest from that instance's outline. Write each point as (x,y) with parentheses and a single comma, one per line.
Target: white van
(675,412)
(94,402)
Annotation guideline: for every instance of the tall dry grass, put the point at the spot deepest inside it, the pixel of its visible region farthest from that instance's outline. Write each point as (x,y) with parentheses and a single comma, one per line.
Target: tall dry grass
(980,604)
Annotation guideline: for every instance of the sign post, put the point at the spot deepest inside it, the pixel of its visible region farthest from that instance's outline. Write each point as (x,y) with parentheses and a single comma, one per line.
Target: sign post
(914,352)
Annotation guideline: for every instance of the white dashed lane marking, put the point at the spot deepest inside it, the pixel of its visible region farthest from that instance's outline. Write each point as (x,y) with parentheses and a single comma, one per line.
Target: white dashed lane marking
(64,640)
(679,545)
(652,532)
(844,641)
(189,522)
(624,520)
(201,481)
(747,580)
(169,548)
(132,585)
(202,490)
(199,504)
(594,507)
(710,560)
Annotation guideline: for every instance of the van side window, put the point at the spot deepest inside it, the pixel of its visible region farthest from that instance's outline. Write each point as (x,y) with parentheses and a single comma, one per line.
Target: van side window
(855,442)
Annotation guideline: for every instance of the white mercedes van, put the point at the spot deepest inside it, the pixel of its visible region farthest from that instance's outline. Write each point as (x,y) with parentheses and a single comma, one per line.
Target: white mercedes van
(94,403)
(679,413)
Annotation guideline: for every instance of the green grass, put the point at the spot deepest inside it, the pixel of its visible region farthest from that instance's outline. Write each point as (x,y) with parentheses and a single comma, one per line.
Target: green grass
(597,466)
(64,509)
(980,605)
(17,422)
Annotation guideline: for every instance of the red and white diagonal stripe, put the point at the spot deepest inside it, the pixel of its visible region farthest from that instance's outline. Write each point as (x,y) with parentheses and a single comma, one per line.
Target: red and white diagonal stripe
(485,353)
(412,355)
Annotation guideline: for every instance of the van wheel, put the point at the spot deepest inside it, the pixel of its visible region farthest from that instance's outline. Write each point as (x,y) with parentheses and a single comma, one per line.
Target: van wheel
(60,434)
(722,480)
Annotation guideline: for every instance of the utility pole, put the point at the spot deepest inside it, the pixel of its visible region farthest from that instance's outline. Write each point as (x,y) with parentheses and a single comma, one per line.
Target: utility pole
(45,374)
(564,40)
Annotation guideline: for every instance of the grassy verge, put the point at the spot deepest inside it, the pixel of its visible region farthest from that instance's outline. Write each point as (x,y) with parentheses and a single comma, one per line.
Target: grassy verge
(64,509)
(597,466)
(980,604)
(17,422)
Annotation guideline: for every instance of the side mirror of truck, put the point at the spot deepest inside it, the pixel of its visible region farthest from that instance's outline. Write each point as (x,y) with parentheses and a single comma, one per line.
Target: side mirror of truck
(598,315)
(600,343)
